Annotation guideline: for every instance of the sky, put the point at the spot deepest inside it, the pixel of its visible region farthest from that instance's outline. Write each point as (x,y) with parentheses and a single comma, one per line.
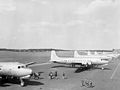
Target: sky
(63,24)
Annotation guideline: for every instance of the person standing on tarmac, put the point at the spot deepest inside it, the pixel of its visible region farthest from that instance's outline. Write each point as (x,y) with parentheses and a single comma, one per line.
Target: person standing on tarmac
(56,74)
(51,75)
(64,75)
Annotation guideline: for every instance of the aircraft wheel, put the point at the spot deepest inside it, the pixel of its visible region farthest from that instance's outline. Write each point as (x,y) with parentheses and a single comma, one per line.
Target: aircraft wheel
(22,84)
(102,68)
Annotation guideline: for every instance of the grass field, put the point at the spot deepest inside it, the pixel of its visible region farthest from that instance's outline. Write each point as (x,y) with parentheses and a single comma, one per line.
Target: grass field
(107,79)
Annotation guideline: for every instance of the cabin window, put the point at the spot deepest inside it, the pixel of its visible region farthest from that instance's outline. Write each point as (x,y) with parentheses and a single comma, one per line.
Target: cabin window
(22,66)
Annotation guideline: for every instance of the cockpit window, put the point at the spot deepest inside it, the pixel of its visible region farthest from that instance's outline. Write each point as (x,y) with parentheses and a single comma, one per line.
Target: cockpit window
(22,66)
(18,67)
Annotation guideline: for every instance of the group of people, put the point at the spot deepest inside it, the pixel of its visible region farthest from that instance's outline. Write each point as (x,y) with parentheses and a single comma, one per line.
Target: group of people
(87,83)
(35,75)
(54,75)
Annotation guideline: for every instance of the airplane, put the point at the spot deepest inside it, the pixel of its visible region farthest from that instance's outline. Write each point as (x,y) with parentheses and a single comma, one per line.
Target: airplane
(16,70)
(113,55)
(105,55)
(85,62)
(96,55)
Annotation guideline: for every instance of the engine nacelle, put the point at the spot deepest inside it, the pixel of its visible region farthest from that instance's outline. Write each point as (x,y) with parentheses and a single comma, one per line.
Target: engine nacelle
(25,77)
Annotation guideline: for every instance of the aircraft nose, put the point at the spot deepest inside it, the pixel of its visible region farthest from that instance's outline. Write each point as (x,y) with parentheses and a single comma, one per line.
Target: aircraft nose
(29,71)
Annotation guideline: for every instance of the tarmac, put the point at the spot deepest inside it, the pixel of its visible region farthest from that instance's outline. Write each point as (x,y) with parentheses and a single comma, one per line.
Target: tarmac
(107,79)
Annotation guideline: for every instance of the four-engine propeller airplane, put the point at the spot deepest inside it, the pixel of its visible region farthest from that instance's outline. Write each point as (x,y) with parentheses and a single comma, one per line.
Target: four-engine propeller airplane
(102,57)
(85,62)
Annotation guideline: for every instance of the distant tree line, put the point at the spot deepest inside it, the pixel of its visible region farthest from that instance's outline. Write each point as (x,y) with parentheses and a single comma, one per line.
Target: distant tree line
(30,50)
(41,50)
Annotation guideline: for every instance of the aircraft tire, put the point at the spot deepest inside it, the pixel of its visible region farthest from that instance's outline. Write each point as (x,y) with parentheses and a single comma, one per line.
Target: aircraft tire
(102,68)
(22,84)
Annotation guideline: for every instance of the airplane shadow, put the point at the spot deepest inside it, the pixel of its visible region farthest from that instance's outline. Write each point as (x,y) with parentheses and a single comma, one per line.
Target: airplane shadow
(80,69)
(4,85)
(27,83)
(89,69)
(59,66)
(33,83)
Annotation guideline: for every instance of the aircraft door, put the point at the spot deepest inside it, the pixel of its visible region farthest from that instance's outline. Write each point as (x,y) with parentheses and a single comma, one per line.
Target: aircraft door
(0,70)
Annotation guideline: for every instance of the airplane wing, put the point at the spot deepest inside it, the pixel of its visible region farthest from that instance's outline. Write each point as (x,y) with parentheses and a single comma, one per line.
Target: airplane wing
(38,64)
(30,63)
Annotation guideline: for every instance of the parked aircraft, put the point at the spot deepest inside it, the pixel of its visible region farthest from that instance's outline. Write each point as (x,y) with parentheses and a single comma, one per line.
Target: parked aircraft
(104,55)
(113,55)
(96,55)
(15,70)
(85,62)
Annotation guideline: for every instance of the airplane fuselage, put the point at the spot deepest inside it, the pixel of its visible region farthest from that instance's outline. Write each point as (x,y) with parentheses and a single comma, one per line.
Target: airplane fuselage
(14,69)
(80,61)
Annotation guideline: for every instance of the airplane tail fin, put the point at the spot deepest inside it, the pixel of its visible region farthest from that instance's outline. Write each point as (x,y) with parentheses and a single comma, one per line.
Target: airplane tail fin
(89,53)
(53,56)
(76,54)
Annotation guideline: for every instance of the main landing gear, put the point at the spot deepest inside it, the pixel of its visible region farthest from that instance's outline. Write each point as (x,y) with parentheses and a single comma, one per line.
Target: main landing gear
(102,68)
(73,65)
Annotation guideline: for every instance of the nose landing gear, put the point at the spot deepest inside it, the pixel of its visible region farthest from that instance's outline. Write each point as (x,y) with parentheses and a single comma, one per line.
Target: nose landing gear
(22,83)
